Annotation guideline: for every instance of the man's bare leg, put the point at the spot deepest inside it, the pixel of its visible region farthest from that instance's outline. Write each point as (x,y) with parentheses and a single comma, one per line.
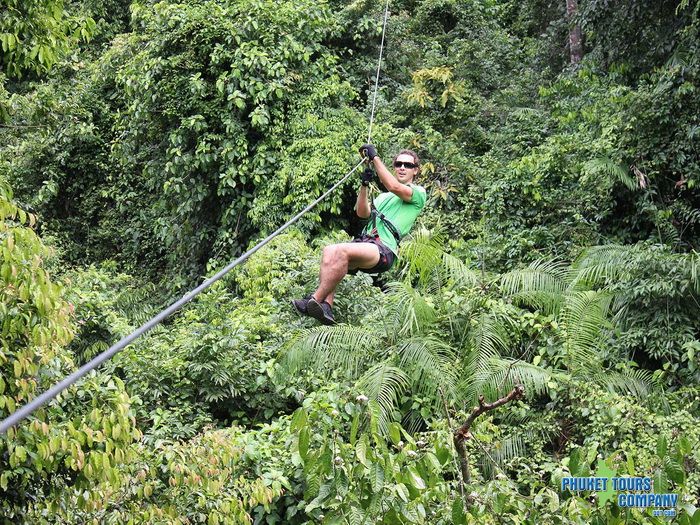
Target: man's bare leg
(336,260)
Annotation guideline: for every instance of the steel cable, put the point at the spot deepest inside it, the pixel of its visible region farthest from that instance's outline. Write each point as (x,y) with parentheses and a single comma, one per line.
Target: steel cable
(46,396)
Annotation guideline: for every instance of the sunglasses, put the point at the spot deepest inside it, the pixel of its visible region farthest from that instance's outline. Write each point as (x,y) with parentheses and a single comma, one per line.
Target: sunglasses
(409,165)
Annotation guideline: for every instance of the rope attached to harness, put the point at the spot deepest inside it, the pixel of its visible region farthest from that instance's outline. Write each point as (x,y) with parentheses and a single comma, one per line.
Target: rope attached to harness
(46,396)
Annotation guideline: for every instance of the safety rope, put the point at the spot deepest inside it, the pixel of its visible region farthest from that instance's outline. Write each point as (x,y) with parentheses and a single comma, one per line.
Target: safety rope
(36,403)
(52,392)
(379,67)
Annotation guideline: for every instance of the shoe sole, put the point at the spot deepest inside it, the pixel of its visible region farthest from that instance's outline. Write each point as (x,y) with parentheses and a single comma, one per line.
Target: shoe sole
(297,309)
(314,310)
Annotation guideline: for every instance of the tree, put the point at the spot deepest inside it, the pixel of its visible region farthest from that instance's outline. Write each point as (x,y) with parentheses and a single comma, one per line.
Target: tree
(575,37)
(78,440)
(35,33)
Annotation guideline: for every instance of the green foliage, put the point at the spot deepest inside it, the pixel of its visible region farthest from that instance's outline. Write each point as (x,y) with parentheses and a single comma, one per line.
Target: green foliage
(108,306)
(34,34)
(205,115)
(365,478)
(200,481)
(168,149)
(176,141)
(643,277)
(212,365)
(640,35)
(78,440)
(644,440)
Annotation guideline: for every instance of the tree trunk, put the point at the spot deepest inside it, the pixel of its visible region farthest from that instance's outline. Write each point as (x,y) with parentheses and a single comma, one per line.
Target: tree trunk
(575,38)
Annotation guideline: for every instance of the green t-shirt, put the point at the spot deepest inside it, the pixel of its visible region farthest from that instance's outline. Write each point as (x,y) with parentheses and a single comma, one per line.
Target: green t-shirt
(400,213)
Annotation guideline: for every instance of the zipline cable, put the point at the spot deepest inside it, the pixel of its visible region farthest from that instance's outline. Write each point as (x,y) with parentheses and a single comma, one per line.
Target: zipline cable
(379,67)
(46,396)
(52,392)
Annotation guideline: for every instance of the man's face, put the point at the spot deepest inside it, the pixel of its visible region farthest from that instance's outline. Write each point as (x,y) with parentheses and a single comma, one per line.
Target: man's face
(402,168)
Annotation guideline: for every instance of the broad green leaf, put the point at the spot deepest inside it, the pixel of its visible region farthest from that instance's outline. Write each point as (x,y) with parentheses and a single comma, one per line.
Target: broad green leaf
(414,479)
(459,517)
(395,432)
(304,439)
(361,450)
(661,446)
(299,420)
(377,477)
(402,492)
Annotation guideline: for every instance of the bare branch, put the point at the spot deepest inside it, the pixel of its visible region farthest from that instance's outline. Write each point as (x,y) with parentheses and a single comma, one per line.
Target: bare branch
(461,435)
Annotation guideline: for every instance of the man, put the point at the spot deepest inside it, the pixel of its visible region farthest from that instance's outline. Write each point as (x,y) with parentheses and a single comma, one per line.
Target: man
(391,217)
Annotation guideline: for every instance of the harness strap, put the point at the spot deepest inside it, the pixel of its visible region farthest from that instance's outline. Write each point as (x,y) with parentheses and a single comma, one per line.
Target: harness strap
(389,226)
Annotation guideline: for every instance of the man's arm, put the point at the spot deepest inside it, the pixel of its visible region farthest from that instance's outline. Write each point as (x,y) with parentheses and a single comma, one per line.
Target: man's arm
(362,207)
(403,191)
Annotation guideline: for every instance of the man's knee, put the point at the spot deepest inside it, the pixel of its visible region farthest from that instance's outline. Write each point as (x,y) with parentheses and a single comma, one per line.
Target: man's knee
(332,253)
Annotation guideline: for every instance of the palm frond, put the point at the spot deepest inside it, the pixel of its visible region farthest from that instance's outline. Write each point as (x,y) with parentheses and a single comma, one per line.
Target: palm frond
(430,363)
(584,317)
(636,382)
(694,270)
(540,285)
(499,376)
(523,112)
(330,347)
(606,167)
(494,458)
(668,233)
(408,311)
(489,340)
(384,384)
(600,264)
(423,250)
(458,273)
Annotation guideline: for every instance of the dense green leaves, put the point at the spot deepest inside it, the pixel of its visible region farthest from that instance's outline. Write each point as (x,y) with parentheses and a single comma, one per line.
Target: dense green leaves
(34,34)
(80,438)
(558,250)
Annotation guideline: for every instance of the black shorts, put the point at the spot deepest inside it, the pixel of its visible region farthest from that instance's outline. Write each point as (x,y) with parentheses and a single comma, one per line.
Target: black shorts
(386,256)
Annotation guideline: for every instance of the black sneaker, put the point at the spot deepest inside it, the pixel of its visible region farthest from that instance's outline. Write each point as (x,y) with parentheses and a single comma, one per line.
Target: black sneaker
(301,304)
(321,311)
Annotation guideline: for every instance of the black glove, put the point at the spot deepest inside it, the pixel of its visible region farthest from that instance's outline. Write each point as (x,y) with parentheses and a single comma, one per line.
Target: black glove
(367,176)
(369,151)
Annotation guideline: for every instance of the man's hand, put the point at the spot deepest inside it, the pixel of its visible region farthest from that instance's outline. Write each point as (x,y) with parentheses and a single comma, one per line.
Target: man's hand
(369,151)
(367,176)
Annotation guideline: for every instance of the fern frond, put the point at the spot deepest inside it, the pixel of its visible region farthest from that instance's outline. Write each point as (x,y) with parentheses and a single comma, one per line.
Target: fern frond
(430,363)
(384,384)
(604,166)
(340,347)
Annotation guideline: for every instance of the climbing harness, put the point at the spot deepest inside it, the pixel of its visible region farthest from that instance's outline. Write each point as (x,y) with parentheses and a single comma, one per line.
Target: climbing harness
(46,396)
(374,214)
(366,177)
